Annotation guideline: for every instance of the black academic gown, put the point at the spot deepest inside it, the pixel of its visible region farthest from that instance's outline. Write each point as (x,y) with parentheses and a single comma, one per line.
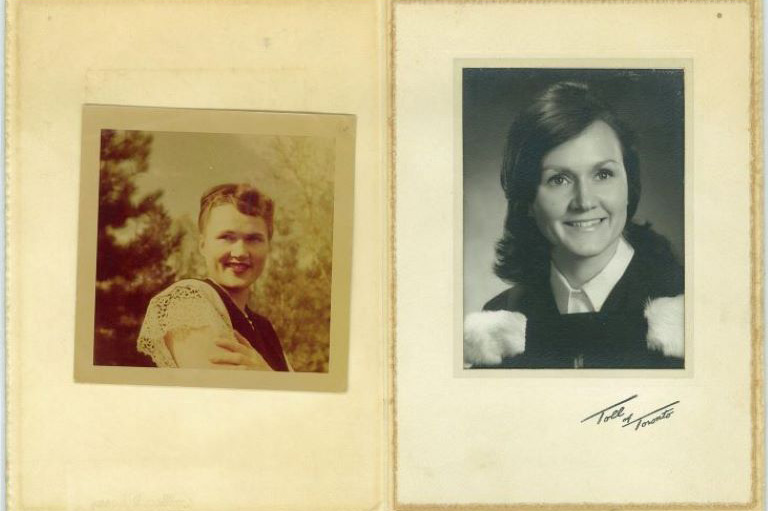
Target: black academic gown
(615,337)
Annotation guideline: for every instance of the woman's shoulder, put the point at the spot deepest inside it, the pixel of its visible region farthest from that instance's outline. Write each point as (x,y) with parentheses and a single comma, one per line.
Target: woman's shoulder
(508,300)
(189,289)
(186,285)
(190,299)
(183,306)
(655,263)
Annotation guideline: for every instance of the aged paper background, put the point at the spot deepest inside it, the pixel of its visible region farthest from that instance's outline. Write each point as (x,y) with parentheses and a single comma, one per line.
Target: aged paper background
(518,440)
(115,447)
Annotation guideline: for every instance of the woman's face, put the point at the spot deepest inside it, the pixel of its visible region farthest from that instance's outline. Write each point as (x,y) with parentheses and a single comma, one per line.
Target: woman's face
(235,247)
(581,201)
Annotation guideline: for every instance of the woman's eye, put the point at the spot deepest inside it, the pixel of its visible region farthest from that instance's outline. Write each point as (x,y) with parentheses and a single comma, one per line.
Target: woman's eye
(557,180)
(231,238)
(254,238)
(603,174)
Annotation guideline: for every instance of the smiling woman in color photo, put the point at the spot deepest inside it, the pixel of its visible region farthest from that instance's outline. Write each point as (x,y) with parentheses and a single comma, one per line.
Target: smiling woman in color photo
(207,323)
(589,288)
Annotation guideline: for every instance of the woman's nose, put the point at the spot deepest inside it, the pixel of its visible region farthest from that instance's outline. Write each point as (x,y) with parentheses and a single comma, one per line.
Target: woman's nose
(583,198)
(237,248)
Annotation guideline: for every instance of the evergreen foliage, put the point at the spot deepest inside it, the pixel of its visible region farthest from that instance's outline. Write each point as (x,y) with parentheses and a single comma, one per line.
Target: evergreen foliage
(135,239)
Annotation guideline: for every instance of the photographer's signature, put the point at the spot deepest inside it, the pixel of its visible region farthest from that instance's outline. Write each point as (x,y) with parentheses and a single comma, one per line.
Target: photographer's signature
(618,412)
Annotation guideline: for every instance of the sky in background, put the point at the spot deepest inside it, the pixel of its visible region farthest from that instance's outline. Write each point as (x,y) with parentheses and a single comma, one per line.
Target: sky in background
(184,165)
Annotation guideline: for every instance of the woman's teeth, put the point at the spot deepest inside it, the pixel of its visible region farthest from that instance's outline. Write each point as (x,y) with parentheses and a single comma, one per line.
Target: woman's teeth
(583,224)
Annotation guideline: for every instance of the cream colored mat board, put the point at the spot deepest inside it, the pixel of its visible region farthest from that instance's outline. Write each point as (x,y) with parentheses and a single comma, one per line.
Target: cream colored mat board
(85,446)
(515,438)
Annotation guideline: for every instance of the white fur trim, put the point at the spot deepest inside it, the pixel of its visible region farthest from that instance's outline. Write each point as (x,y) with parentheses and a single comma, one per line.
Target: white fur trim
(666,325)
(492,335)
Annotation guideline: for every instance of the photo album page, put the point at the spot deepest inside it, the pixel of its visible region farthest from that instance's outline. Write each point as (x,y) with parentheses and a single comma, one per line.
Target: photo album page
(392,255)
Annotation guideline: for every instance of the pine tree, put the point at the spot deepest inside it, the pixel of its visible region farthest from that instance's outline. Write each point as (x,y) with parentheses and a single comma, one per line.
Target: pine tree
(135,239)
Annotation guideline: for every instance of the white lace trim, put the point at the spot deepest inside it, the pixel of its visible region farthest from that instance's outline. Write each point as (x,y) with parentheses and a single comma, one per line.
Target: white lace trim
(185,305)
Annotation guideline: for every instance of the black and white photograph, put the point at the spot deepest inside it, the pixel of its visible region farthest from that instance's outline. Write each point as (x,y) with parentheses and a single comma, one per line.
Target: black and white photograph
(573,218)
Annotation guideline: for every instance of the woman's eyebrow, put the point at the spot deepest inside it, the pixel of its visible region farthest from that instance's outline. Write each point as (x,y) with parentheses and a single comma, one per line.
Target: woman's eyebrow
(553,167)
(556,168)
(563,168)
(601,163)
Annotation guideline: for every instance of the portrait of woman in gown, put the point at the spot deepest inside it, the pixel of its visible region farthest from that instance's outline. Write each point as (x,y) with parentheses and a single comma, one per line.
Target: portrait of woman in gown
(207,323)
(587,286)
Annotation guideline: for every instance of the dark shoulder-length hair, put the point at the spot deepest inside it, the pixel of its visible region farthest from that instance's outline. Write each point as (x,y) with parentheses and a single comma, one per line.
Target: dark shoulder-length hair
(558,114)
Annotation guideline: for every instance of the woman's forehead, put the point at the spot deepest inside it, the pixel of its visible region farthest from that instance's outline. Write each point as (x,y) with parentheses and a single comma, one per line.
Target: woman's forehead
(226,217)
(597,143)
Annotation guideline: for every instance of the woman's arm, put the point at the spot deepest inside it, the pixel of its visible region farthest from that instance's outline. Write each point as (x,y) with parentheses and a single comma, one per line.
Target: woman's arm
(238,354)
(183,325)
(204,348)
(192,348)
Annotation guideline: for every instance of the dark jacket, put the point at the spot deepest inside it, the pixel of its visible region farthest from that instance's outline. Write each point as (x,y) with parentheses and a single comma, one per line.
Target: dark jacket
(256,329)
(615,337)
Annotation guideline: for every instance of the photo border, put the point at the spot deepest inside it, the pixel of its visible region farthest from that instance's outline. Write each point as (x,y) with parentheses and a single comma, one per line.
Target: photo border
(340,127)
(686,66)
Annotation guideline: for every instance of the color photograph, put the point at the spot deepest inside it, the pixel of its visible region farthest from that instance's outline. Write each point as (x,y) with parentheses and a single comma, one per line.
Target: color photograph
(214,250)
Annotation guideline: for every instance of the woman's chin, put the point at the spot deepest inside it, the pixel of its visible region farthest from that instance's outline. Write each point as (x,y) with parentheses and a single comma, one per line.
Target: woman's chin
(584,251)
(233,282)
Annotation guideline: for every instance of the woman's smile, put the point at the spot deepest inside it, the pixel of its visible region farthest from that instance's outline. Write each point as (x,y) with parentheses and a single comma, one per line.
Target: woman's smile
(238,266)
(585,225)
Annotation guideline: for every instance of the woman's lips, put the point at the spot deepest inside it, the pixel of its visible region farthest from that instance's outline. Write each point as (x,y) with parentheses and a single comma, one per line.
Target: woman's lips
(585,225)
(237,266)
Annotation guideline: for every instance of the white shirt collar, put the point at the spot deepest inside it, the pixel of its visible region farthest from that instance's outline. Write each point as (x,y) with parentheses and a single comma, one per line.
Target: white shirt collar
(592,295)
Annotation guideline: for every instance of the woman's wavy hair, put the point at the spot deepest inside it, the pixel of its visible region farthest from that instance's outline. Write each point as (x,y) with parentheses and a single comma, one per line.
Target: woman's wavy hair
(558,114)
(248,200)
